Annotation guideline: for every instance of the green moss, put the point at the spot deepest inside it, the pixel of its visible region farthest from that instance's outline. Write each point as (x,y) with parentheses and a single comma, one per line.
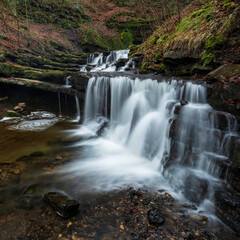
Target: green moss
(12,114)
(208,59)
(46,75)
(144,68)
(127,37)
(9,70)
(215,41)
(153,41)
(66,14)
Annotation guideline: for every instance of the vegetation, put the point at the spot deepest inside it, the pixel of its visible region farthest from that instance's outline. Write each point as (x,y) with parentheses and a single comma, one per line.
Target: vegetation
(197,36)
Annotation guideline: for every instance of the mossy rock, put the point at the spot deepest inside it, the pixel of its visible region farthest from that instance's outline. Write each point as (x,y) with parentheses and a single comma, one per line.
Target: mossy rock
(46,75)
(12,114)
(9,70)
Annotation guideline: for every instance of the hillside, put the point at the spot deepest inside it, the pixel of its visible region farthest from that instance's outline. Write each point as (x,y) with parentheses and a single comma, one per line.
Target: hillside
(196,41)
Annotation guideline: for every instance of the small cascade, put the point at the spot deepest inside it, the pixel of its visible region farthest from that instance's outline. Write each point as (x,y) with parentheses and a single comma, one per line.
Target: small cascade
(155,134)
(104,63)
(129,64)
(67,82)
(78,108)
(59,104)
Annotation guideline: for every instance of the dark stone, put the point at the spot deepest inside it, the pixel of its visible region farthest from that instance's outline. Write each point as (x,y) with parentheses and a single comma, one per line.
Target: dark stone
(183,102)
(24,158)
(120,63)
(228,208)
(155,217)
(61,204)
(195,188)
(36,154)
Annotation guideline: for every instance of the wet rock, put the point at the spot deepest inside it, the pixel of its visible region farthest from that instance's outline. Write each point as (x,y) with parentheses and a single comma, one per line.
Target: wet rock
(183,102)
(121,63)
(228,209)
(198,217)
(155,217)
(195,188)
(61,204)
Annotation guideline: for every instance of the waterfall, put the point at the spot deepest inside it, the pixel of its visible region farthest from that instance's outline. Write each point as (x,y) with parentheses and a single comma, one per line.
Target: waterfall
(154,134)
(78,108)
(67,82)
(104,63)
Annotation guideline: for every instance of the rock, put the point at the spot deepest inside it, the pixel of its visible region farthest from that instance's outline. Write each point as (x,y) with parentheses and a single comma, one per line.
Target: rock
(183,102)
(59,157)
(61,204)
(195,188)
(225,71)
(15,171)
(22,105)
(36,190)
(155,217)
(198,217)
(228,208)
(121,63)
(17,108)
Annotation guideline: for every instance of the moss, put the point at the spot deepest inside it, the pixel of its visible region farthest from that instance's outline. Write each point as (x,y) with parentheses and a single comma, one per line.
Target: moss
(127,37)
(57,45)
(8,70)
(46,75)
(12,114)
(208,58)
(144,68)
(215,41)
(66,14)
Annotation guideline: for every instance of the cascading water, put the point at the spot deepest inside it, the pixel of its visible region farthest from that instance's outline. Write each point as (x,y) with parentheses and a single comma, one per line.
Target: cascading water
(78,108)
(104,63)
(67,82)
(153,134)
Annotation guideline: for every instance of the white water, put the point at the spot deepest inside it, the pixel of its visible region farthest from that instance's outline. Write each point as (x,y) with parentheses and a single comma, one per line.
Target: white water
(78,108)
(137,146)
(101,63)
(67,82)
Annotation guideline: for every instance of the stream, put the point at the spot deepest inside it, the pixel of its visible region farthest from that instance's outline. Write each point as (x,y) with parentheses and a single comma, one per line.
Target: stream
(149,134)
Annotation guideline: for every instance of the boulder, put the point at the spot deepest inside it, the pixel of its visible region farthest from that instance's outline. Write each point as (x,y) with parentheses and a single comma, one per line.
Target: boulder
(61,204)
(225,71)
